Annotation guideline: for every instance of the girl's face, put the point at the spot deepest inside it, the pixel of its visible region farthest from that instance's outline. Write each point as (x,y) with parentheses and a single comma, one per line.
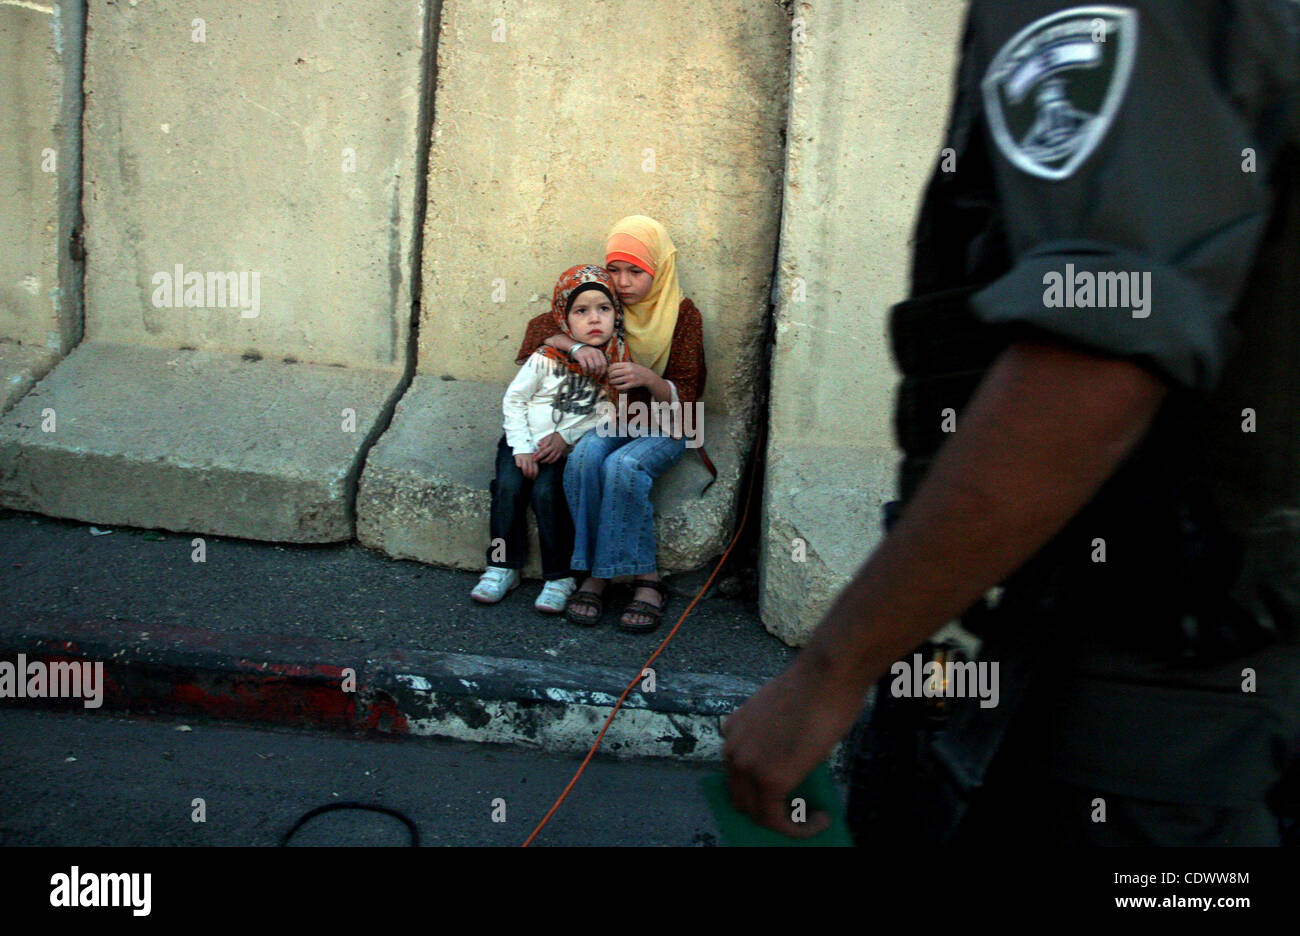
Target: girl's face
(632,282)
(591,317)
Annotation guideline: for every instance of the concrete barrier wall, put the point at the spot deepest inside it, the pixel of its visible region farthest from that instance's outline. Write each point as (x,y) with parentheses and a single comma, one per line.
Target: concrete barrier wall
(276,140)
(552,121)
(250,177)
(39,169)
(556,119)
(282,142)
(29,105)
(872,84)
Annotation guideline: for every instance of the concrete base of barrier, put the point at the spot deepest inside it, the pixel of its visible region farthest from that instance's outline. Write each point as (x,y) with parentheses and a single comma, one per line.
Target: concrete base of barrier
(424,491)
(20,367)
(193,441)
(821,520)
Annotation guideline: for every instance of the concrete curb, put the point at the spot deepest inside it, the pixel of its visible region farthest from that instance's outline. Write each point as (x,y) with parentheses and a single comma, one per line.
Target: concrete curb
(351,687)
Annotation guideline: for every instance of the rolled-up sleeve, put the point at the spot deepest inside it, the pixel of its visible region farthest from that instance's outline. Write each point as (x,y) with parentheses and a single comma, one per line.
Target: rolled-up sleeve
(1169,323)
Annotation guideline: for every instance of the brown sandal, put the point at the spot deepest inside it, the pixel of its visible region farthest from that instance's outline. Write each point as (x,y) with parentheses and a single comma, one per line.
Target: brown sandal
(586,599)
(644,607)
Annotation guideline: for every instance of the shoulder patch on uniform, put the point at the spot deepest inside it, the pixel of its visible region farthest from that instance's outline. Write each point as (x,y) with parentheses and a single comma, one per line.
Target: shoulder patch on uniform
(1052,92)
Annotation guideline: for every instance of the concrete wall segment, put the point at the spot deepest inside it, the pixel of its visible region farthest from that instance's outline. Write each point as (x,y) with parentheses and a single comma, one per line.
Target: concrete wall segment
(543,138)
(32,158)
(259,137)
(870,91)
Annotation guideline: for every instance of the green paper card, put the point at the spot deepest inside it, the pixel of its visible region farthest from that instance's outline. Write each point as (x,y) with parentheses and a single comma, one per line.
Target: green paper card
(738,830)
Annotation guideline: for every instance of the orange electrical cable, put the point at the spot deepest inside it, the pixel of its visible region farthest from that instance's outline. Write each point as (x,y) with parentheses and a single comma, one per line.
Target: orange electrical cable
(749,490)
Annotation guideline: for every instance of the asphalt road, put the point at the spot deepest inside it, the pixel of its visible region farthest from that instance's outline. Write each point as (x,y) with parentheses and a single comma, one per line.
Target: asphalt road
(96,779)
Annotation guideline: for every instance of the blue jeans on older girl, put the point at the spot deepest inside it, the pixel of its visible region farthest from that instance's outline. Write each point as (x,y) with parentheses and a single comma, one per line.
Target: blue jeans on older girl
(607,482)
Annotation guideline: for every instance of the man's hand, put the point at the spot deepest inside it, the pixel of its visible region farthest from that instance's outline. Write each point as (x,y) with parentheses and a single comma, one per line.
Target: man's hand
(550,449)
(776,739)
(527,465)
(592,360)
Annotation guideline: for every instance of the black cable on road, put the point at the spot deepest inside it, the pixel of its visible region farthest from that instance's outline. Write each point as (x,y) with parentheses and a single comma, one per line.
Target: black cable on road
(370,807)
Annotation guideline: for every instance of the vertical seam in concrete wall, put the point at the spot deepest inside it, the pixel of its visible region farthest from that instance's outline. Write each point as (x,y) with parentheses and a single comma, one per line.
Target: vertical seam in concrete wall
(69,24)
(778,272)
(774,307)
(788,133)
(774,296)
(750,544)
(423,144)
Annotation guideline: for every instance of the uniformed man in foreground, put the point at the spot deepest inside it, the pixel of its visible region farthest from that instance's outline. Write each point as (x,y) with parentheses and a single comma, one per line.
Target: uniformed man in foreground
(1105,307)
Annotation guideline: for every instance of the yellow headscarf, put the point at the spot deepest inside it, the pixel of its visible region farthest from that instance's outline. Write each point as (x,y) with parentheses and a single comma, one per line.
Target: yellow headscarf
(649,323)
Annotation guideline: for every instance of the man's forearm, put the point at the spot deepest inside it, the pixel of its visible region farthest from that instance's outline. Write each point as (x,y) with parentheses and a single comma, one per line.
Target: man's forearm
(560,341)
(1045,429)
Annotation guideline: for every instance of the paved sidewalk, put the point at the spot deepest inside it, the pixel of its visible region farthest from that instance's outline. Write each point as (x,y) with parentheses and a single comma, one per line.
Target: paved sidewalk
(343,637)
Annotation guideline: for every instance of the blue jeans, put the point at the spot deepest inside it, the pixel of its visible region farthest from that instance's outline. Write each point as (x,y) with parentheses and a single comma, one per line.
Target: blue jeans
(607,482)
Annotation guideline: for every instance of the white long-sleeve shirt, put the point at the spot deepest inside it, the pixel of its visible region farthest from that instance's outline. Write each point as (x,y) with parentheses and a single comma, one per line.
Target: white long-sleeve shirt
(547,397)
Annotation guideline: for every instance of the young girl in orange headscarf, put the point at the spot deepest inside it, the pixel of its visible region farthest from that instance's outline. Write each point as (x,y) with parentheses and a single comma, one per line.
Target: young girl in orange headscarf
(548,407)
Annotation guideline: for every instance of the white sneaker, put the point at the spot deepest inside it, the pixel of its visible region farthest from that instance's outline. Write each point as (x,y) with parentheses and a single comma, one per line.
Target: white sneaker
(495,584)
(555,595)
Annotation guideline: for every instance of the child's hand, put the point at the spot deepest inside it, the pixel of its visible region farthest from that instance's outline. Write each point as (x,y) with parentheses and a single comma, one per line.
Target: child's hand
(592,360)
(628,374)
(551,449)
(527,465)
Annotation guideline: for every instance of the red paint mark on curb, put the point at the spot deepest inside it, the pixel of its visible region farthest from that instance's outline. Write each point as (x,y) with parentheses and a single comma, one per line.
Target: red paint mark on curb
(275,699)
(383,709)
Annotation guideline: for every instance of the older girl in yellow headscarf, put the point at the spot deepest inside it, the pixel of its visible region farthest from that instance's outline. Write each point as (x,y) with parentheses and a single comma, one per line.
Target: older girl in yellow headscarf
(608,477)
(641,257)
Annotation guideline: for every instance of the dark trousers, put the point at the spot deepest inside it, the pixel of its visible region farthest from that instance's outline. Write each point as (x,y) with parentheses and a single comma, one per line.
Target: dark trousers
(511,494)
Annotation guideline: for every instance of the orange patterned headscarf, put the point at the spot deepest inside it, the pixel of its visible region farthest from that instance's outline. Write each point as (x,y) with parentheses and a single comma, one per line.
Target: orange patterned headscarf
(571,280)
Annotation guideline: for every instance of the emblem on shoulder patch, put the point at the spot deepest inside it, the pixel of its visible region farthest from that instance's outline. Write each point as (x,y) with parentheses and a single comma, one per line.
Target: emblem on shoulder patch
(1052,92)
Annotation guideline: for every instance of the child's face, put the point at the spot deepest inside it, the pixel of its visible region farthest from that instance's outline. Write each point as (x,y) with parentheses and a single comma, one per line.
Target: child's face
(591,318)
(632,282)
